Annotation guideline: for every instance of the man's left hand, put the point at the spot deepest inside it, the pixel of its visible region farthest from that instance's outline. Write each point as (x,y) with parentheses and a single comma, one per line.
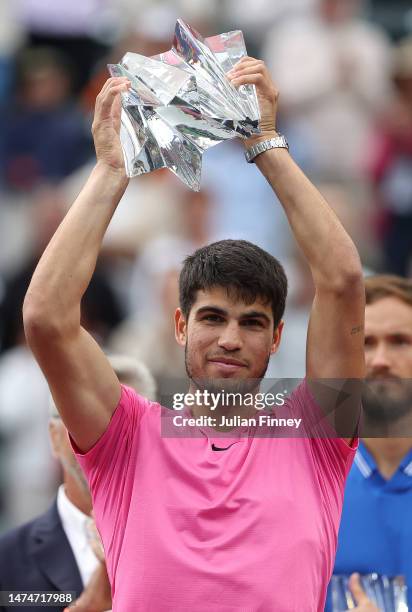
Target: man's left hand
(250,71)
(96,596)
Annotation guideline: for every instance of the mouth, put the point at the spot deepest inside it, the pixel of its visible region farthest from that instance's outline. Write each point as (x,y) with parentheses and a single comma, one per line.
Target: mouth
(383,378)
(385,384)
(227,364)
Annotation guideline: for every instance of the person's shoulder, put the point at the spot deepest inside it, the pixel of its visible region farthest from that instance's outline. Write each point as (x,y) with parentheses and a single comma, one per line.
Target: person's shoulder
(132,400)
(22,533)
(137,409)
(16,539)
(20,564)
(9,539)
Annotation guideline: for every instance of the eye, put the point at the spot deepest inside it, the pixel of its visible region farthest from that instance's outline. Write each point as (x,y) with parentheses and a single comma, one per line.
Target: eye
(252,323)
(401,341)
(212,318)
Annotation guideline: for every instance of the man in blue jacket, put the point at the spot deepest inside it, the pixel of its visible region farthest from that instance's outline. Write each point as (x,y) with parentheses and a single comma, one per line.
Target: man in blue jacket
(376,530)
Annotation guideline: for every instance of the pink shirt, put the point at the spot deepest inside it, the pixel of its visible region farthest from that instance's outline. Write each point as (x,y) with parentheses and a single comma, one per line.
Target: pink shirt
(186,528)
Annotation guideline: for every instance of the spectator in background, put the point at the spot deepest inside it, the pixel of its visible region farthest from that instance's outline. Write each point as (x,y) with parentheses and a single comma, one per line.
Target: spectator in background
(332,69)
(391,167)
(81,30)
(376,532)
(102,311)
(43,136)
(57,550)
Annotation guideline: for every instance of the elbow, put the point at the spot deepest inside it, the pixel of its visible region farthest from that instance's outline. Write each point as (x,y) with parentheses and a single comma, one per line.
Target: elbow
(38,321)
(35,320)
(346,281)
(351,280)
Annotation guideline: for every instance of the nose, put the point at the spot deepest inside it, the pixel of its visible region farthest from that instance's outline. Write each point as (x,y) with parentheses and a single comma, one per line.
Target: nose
(378,359)
(230,338)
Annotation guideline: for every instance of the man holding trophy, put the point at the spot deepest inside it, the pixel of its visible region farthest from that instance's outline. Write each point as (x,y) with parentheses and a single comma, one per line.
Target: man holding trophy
(184,527)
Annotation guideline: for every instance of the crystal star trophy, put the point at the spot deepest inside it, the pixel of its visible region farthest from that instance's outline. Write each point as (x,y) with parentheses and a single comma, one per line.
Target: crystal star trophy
(181,103)
(389,594)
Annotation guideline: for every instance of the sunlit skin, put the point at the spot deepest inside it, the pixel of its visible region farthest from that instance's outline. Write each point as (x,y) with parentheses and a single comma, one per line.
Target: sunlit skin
(388,355)
(226,338)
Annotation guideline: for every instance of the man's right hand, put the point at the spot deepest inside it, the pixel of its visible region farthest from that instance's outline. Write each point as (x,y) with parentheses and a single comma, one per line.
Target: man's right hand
(106,123)
(363,603)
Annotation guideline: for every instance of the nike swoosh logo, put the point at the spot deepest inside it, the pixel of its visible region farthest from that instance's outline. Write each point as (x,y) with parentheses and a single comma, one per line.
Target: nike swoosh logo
(217,448)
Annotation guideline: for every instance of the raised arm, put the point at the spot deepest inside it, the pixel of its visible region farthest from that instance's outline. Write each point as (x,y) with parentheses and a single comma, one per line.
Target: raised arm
(335,343)
(83,384)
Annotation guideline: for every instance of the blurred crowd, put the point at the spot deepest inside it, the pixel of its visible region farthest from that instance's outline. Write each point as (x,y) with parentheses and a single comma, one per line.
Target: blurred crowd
(344,71)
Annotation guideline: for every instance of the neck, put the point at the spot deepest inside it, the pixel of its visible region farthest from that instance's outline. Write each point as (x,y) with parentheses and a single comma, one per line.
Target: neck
(388,453)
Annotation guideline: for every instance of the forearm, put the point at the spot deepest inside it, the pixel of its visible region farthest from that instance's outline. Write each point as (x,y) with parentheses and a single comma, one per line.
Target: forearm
(67,265)
(327,247)
(330,252)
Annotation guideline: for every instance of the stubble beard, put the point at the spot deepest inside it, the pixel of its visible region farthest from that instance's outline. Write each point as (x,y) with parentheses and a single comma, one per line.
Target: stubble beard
(228,385)
(386,402)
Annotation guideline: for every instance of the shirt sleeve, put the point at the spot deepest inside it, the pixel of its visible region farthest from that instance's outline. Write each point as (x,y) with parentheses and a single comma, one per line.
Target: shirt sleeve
(109,468)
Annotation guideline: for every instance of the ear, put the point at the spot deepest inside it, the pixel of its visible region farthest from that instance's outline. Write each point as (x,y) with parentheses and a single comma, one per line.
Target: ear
(277,335)
(180,327)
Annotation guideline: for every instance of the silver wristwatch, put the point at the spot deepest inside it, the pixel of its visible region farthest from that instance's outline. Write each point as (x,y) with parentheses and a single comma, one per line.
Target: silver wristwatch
(279,142)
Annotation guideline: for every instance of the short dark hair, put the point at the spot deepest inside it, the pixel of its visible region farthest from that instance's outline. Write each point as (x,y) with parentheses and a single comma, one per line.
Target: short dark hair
(244,269)
(388,285)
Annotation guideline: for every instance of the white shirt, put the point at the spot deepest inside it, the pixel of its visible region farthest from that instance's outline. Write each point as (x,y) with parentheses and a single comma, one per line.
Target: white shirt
(74,524)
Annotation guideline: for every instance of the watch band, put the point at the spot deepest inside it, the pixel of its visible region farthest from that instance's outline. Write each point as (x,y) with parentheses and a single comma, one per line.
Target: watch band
(279,142)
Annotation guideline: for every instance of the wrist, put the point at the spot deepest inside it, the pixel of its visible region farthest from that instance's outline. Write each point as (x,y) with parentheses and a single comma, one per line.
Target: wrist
(262,146)
(106,183)
(111,173)
(267,135)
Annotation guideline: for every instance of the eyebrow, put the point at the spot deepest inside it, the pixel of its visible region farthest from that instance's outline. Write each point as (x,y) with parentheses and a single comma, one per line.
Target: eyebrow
(391,335)
(256,314)
(253,314)
(395,332)
(400,334)
(214,309)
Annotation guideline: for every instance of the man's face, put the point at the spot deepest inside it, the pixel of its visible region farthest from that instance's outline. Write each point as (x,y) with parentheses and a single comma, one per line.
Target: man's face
(227,339)
(388,354)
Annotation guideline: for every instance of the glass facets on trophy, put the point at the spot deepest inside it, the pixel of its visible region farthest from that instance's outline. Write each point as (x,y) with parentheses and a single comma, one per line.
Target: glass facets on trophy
(181,103)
